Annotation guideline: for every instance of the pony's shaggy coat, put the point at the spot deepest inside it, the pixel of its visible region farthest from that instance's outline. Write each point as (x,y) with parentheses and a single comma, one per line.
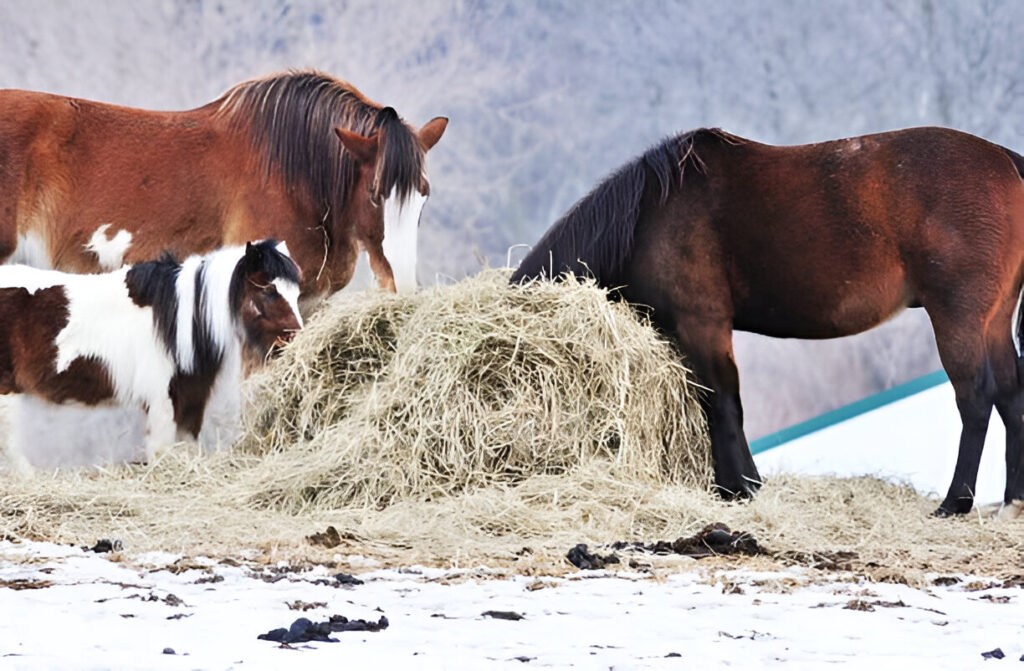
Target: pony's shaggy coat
(117,336)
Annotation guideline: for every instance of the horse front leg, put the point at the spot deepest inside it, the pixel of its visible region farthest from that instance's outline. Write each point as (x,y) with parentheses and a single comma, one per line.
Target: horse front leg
(161,430)
(708,350)
(380,265)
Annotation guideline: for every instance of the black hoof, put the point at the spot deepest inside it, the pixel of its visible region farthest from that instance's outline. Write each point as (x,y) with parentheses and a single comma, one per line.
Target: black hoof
(743,492)
(956,507)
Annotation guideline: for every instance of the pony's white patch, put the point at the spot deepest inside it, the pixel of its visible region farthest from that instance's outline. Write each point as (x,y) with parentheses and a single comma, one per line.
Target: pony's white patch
(109,251)
(1013,323)
(31,251)
(185,290)
(401,225)
(222,415)
(105,324)
(290,292)
(29,277)
(220,267)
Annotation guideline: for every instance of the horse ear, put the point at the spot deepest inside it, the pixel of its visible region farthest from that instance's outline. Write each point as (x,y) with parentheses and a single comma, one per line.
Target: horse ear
(253,253)
(432,131)
(363,148)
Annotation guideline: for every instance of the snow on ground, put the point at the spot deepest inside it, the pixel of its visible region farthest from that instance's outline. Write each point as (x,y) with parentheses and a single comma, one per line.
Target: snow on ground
(912,440)
(96,613)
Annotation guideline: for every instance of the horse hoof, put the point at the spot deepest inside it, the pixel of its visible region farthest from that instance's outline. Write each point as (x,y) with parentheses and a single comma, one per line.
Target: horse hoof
(744,492)
(1011,510)
(960,507)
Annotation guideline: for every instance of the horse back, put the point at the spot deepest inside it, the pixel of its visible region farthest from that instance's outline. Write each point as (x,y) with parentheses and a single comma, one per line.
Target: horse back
(829,239)
(178,181)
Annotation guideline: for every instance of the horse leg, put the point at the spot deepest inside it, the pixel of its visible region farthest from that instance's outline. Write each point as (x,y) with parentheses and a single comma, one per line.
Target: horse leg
(1009,403)
(708,350)
(379,264)
(161,430)
(1011,410)
(969,367)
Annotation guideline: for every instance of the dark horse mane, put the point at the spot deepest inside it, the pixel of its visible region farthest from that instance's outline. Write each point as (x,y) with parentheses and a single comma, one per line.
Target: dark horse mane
(290,118)
(154,283)
(595,237)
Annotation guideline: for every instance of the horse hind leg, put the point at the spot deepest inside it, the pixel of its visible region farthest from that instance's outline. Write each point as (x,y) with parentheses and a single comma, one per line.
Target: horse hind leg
(1010,405)
(969,364)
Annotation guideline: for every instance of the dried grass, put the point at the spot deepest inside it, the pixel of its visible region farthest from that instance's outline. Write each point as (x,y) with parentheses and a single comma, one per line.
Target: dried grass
(463,424)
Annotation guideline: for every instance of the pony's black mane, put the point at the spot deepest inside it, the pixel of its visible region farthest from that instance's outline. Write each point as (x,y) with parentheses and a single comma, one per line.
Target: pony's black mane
(153,283)
(595,237)
(290,118)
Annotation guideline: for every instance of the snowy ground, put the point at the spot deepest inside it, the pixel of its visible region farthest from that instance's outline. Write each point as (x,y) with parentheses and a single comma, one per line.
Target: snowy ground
(61,607)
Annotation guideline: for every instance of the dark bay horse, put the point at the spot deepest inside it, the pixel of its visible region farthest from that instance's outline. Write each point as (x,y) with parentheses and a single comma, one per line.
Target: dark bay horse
(165,336)
(713,232)
(299,156)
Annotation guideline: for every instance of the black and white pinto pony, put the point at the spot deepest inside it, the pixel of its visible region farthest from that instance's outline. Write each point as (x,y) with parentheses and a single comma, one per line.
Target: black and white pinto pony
(163,337)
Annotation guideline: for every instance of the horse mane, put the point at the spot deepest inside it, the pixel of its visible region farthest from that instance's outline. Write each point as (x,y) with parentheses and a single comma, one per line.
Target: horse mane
(595,237)
(202,294)
(154,283)
(290,119)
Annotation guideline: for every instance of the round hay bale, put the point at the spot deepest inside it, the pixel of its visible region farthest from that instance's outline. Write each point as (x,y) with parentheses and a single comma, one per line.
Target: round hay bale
(385,398)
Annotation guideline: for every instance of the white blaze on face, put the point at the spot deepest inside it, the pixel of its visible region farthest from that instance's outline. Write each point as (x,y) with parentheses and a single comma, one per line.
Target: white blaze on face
(109,252)
(290,292)
(401,224)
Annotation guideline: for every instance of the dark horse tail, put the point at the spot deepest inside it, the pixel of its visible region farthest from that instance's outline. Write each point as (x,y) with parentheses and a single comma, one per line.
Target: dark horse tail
(595,237)
(1018,314)
(1018,160)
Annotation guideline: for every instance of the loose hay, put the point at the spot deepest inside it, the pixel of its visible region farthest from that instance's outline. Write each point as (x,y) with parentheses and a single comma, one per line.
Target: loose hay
(481,423)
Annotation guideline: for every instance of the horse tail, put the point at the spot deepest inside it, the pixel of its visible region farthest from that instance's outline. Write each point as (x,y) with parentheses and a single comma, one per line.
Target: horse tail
(1017,324)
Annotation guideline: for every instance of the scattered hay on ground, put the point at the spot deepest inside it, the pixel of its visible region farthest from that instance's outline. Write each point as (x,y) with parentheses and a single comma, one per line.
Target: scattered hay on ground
(479,423)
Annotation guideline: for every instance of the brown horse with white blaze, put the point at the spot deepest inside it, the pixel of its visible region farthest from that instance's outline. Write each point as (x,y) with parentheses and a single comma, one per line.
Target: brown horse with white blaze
(299,156)
(714,232)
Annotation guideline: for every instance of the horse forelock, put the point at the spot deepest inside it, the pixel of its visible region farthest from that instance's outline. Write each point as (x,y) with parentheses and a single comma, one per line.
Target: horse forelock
(290,119)
(400,159)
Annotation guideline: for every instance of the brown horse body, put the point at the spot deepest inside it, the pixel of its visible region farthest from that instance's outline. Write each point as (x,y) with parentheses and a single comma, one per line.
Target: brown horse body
(715,233)
(87,186)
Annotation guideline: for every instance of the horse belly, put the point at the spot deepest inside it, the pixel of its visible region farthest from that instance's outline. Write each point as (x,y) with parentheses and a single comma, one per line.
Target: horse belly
(814,306)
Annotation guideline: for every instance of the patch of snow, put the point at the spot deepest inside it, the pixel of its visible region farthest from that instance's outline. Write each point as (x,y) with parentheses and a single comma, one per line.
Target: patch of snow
(96,613)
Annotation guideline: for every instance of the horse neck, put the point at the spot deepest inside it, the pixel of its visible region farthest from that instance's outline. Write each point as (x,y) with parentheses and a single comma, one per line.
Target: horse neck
(211,296)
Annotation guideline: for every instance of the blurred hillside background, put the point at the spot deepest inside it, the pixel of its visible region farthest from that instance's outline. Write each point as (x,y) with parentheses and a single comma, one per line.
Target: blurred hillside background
(545,98)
